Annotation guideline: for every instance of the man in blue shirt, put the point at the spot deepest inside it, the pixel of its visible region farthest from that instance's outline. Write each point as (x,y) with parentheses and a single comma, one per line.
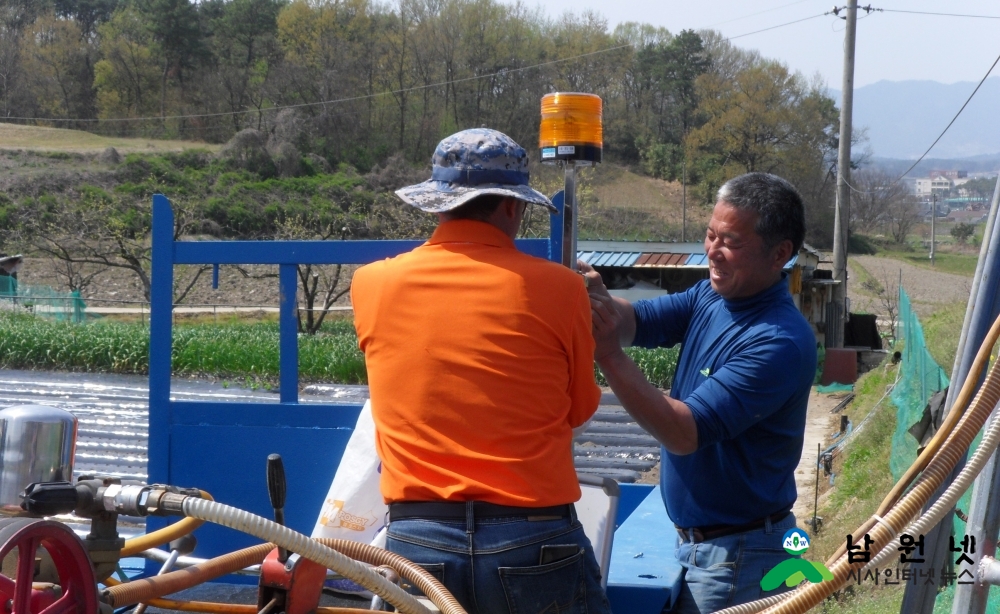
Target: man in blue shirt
(732,424)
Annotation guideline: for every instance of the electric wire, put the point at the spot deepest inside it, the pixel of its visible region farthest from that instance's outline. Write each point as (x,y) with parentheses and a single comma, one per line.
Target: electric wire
(937,14)
(719,23)
(965,104)
(782,25)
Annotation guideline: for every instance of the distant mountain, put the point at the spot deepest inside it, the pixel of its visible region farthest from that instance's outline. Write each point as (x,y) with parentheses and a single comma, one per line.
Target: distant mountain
(987,163)
(904,117)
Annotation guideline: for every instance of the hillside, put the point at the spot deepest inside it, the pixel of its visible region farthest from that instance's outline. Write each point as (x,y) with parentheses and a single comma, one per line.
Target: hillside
(59,167)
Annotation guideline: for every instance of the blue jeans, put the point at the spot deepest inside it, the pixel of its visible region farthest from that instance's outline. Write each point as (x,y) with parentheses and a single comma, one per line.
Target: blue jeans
(491,565)
(727,571)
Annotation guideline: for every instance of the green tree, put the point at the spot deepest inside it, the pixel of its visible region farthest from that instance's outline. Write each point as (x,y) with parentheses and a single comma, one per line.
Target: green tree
(88,14)
(761,120)
(126,78)
(246,51)
(19,14)
(672,70)
(963,232)
(980,187)
(872,199)
(56,64)
(174,25)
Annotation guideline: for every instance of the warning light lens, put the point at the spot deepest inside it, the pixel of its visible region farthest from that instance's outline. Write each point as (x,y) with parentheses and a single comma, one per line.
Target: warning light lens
(571,119)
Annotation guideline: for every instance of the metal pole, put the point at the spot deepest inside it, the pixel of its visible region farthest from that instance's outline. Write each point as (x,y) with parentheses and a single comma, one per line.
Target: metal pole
(684,200)
(982,309)
(819,461)
(570,212)
(844,173)
(933,217)
(984,509)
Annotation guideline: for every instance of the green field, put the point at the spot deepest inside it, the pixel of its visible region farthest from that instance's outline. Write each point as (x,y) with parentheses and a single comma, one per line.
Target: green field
(959,263)
(40,138)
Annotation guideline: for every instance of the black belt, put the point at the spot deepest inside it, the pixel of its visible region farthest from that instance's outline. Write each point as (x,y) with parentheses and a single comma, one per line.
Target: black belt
(696,535)
(458,510)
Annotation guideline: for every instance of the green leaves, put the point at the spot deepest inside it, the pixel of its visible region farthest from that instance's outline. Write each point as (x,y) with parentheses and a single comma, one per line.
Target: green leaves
(229,350)
(658,365)
(224,350)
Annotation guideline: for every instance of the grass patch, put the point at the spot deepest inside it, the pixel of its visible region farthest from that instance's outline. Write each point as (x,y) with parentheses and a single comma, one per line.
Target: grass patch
(945,262)
(40,138)
(862,471)
(862,480)
(942,330)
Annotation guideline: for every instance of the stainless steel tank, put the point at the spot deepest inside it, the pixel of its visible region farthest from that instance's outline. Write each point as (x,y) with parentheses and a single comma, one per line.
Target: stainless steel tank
(37,444)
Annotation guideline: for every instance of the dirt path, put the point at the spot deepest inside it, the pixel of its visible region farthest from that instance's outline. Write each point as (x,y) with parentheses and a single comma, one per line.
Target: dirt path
(820,425)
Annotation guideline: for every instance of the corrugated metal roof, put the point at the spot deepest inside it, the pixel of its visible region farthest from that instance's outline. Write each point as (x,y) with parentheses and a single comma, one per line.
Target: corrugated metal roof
(614,258)
(113,415)
(651,259)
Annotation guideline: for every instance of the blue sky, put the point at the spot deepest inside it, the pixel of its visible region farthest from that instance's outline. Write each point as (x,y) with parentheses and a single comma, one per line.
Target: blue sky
(890,46)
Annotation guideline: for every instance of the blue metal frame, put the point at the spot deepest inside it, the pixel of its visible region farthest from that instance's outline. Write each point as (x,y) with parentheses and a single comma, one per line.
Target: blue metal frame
(222,447)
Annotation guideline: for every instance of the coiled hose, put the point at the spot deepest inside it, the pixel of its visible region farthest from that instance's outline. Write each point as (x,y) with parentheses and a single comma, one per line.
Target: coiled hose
(898,516)
(148,589)
(428,584)
(234,608)
(222,608)
(311,549)
(956,412)
(951,495)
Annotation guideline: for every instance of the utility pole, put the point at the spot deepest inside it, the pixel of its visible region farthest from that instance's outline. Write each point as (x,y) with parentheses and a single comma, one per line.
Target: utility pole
(844,175)
(684,200)
(933,217)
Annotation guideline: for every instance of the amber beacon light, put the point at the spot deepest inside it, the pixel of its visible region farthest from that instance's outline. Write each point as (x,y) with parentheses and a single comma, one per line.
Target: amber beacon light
(571,127)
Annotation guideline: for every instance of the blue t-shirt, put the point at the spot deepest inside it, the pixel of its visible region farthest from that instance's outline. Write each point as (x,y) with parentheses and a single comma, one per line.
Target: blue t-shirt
(745,371)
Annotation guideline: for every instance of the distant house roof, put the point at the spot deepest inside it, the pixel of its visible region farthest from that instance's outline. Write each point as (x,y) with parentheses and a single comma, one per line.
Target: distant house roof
(962,215)
(653,254)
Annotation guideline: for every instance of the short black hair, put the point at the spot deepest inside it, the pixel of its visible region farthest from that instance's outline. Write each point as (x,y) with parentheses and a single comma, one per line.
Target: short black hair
(780,212)
(479,208)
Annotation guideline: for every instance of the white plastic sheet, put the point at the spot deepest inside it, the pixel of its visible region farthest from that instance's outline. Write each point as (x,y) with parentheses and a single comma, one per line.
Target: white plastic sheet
(353,508)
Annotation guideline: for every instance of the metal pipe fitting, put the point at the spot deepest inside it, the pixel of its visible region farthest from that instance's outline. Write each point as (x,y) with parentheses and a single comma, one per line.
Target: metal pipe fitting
(989,571)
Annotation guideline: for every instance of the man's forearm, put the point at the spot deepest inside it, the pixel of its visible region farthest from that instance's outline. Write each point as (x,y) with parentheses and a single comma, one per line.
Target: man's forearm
(626,329)
(668,420)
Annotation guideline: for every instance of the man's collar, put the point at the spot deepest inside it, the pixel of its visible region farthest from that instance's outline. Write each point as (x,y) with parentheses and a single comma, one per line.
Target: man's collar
(776,289)
(470,231)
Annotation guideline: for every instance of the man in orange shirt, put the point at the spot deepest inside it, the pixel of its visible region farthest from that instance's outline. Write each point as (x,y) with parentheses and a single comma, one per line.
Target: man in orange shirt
(480,364)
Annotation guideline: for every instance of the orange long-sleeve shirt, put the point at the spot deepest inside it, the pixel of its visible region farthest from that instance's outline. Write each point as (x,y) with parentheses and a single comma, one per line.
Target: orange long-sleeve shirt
(480,363)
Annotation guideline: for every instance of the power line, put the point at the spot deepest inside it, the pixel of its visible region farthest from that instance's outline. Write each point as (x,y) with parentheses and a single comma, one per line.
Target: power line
(937,14)
(755,14)
(981,81)
(779,26)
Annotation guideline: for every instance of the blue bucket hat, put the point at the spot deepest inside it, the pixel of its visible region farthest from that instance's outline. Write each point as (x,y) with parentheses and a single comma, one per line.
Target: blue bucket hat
(473,162)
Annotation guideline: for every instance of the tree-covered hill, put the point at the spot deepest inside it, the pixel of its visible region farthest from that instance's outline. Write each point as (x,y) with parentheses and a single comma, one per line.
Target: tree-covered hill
(357,81)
